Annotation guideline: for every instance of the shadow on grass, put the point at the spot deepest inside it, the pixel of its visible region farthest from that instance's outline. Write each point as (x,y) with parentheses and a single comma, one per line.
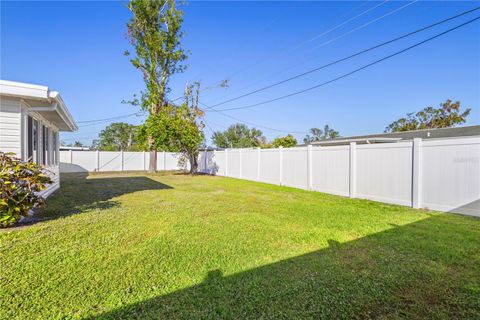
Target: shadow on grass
(78,194)
(425,269)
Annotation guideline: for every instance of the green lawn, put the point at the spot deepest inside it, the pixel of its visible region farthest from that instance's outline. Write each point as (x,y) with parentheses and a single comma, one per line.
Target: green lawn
(120,246)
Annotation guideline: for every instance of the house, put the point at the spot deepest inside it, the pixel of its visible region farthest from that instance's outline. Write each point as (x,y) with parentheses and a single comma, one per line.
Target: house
(31,117)
(404,135)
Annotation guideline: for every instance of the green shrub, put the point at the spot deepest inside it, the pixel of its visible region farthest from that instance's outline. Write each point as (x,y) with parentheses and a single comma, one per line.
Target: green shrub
(20,181)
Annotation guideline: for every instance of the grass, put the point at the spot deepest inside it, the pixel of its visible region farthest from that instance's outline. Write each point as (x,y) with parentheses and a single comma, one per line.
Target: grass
(120,246)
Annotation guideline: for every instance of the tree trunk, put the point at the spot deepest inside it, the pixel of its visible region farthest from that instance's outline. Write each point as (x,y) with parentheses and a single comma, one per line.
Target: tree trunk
(193,164)
(152,165)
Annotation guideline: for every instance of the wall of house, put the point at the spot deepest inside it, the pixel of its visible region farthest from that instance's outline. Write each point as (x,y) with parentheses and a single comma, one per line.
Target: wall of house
(10,126)
(13,136)
(52,168)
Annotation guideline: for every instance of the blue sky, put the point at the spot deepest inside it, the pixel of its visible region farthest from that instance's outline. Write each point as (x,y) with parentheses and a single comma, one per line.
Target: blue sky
(77,49)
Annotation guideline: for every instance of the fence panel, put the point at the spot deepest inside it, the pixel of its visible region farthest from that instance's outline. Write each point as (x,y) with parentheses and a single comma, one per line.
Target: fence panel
(249,164)
(451,175)
(384,172)
(219,163)
(110,161)
(133,161)
(270,166)
(79,162)
(160,161)
(171,161)
(233,163)
(330,169)
(294,167)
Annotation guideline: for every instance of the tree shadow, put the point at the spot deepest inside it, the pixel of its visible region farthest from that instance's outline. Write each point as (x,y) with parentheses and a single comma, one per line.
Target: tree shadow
(420,270)
(78,194)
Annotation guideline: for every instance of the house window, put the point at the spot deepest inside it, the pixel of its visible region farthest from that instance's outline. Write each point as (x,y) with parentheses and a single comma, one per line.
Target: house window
(46,146)
(54,148)
(32,139)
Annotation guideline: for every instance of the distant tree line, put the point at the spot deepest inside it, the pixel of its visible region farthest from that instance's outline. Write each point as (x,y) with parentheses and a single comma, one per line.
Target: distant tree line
(127,137)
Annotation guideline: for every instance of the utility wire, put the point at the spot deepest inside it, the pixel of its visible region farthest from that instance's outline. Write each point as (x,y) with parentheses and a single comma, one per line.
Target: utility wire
(342,24)
(346,58)
(365,24)
(290,49)
(312,39)
(112,118)
(99,122)
(252,123)
(352,72)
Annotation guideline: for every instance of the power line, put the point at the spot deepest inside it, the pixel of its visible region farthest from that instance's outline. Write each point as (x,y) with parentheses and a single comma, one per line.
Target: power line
(106,121)
(365,24)
(208,126)
(351,72)
(252,123)
(112,118)
(310,40)
(343,23)
(289,49)
(328,42)
(346,58)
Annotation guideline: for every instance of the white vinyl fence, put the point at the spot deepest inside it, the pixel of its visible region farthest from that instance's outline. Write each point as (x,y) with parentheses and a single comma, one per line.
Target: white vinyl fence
(438,174)
(93,161)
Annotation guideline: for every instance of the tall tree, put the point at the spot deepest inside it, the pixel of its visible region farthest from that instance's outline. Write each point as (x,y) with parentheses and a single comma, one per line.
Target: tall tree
(447,115)
(317,134)
(238,136)
(155,33)
(117,136)
(178,128)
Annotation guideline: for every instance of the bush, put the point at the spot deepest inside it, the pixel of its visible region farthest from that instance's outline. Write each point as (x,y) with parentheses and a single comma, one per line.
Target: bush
(20,181)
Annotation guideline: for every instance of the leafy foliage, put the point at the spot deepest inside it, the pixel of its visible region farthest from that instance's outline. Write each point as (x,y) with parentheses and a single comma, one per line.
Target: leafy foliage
(447,115)
(118,136)
(155,33)
(77,144)
(19,181)
(239,136)
(178,128)
(319,134)
(286,142)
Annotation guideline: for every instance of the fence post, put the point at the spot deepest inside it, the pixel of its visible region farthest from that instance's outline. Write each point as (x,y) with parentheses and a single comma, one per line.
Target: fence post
(121,160)
(164,153)
(97,161)
(240,163)
(205,155)
(353,173)
(417,173)
(214,163)
(258,163)
(70,154)
(144,160)
(226,162)
(309,167)
(280,149)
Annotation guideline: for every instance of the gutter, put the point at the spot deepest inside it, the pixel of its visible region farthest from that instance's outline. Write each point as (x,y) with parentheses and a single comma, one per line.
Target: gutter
(59,106)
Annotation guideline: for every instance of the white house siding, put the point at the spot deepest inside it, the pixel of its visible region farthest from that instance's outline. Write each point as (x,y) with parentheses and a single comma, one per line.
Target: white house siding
(10,126)
(13,119)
